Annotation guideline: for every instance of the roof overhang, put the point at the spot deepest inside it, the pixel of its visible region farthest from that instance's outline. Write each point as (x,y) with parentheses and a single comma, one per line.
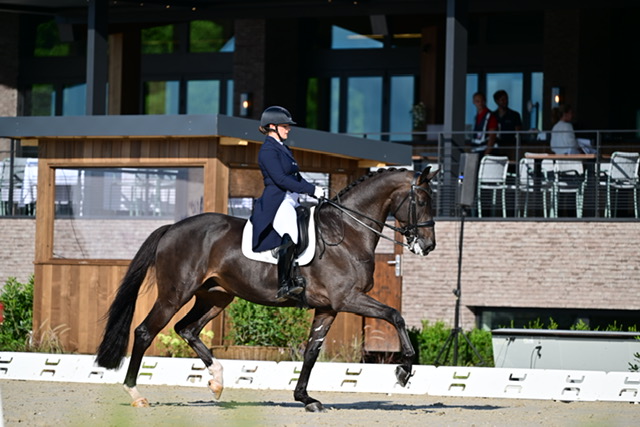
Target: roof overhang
(230,129)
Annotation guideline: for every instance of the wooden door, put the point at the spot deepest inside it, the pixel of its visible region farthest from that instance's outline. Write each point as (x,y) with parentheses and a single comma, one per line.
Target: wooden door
(379,335)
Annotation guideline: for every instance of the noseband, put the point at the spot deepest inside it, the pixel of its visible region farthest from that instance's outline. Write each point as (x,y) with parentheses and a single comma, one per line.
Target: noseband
(410,231)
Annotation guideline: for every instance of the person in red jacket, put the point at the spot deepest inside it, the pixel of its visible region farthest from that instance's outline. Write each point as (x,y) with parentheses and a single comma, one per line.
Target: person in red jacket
(485,127)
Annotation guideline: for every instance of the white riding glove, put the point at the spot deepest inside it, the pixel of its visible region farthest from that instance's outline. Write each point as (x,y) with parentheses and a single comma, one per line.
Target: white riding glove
(319,193)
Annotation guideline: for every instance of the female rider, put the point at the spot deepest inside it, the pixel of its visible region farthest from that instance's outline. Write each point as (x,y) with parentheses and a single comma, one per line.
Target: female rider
(274,215)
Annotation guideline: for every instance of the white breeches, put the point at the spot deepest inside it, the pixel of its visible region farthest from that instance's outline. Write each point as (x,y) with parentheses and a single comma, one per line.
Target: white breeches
(286,219)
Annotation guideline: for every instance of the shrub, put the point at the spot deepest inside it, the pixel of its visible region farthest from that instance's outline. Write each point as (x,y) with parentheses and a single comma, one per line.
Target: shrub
(431,339)
(253,324)
(18,314)
(173,345)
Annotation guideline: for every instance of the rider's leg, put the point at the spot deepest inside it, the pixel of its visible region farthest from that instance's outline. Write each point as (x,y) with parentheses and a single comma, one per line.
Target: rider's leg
(288,286)
(285,223)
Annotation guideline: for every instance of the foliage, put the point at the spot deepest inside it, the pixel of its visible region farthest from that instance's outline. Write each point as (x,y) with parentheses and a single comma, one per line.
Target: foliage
(173,345)
(47,340)
(635,367)
(431,339)
(18,314)
(346,353)
(253,324)
(419,116)
(580,325)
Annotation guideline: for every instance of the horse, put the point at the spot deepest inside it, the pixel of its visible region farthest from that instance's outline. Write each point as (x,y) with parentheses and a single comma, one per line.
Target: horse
(201,257)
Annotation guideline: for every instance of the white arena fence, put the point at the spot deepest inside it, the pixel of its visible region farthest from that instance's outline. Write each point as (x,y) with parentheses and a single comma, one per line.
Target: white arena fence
(561,385)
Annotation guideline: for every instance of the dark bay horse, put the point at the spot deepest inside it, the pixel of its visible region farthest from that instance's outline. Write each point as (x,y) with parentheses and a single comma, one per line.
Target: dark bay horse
(201,257)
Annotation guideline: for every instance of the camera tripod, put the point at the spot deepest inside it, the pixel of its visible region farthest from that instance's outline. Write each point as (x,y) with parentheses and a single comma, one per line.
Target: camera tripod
(452,339)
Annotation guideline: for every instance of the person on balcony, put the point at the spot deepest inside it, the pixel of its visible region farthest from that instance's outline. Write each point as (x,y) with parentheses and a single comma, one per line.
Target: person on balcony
(485,127)
(563,138)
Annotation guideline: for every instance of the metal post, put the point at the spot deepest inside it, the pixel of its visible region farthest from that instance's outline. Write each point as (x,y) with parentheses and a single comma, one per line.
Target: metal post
(97,67)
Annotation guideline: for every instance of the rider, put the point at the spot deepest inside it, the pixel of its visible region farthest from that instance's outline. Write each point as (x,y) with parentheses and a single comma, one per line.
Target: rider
(274,216)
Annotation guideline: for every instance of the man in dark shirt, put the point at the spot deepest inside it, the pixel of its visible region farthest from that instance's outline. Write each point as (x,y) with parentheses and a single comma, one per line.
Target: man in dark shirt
(508,120)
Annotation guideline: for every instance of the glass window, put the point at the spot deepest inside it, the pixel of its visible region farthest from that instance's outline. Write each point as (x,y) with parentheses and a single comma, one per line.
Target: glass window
(229,98)
(335,105)
(207,36)
(240,206)
(74,100)
(364,108)
(470,109)
(512,83)
(402,95)
(158,40)
(203,97)
(106,213)
(536,100)
(42,100)
(48,41)
(161,97)
(344,39)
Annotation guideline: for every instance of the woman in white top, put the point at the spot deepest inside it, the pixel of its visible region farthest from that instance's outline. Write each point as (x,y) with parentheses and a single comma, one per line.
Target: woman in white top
(563,138)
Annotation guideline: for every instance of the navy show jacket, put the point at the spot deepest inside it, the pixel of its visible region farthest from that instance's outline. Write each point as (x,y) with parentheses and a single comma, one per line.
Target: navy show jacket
(281,174)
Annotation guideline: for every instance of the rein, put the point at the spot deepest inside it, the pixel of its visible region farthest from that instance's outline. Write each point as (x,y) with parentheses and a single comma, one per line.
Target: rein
(409,231)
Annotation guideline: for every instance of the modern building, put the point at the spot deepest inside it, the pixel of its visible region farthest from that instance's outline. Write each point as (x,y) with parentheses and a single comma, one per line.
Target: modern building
(398,71)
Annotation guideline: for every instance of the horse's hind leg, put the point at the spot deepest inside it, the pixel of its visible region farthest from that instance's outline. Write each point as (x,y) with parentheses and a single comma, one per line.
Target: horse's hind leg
(157,319)
(207,306)
(320,326)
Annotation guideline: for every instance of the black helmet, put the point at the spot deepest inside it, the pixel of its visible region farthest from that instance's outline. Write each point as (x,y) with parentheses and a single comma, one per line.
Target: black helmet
(276,116)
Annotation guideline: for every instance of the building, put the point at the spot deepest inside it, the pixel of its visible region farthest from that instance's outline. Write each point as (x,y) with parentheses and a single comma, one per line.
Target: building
(361,67)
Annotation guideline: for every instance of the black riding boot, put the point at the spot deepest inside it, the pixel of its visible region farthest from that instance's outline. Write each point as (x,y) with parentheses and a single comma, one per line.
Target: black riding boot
(289,285)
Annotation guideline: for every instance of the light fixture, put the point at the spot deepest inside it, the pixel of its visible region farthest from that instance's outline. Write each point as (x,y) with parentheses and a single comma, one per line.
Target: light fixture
(245,104)
(557,96)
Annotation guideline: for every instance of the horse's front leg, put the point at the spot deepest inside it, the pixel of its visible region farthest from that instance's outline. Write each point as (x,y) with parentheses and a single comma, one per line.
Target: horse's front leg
(322,321)
(364,305)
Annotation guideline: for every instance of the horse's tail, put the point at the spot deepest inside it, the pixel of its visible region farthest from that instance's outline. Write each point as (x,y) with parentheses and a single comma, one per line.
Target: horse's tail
(116,334)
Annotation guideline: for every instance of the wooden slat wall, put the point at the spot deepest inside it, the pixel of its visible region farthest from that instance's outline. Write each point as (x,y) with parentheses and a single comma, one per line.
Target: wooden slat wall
(73,296)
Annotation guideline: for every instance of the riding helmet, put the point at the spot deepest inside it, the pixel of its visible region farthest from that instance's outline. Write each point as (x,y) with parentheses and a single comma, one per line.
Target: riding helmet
(276,116)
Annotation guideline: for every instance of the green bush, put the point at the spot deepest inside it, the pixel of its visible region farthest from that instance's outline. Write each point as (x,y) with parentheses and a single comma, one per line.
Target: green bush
(18,314)
(431,339)
(173,345)
(253,324)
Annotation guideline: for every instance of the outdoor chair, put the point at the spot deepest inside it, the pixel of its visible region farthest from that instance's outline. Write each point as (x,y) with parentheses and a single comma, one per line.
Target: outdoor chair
(622,174)
(492,176)
(568,178)
(526,183)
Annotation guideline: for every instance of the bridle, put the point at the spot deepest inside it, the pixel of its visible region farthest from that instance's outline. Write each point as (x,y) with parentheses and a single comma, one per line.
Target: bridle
(409,231)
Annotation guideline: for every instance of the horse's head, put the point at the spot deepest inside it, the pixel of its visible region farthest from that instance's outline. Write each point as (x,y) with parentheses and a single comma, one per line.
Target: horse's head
(414,210)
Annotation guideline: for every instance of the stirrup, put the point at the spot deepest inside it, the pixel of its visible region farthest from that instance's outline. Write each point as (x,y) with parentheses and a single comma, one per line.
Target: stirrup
(292,289)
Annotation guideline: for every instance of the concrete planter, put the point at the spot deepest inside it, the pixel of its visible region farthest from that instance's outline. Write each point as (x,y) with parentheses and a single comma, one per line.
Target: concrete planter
(564,349)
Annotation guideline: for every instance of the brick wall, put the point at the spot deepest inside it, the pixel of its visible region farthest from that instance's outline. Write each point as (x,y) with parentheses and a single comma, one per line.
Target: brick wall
(17,250)
(524,264)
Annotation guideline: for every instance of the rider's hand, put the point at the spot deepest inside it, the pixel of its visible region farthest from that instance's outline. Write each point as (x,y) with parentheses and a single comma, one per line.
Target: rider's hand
(319,193)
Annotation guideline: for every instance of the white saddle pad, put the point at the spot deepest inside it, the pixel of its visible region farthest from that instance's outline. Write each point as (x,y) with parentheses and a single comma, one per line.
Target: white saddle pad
(267,256)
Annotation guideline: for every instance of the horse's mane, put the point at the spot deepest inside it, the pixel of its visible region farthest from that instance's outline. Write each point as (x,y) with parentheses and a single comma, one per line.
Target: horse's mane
(363,178)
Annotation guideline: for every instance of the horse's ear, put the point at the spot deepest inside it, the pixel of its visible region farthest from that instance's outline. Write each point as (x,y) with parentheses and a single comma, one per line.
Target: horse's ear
(427,174)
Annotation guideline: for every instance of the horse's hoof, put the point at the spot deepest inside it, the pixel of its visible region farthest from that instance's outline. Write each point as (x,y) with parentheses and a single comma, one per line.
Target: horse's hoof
(402,375)
(216,388)
(315,407)
(140,402)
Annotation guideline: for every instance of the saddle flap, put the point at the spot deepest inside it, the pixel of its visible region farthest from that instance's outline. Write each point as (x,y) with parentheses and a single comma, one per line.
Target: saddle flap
(306,241)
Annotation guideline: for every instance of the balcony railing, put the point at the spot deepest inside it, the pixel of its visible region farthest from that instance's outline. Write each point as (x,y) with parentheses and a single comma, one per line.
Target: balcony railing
(602,182)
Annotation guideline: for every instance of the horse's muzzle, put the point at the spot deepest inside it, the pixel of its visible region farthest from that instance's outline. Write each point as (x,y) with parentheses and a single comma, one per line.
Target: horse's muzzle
(422,246)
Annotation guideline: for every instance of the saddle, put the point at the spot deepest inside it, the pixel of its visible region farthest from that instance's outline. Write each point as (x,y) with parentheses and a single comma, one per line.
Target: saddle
(305,249)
